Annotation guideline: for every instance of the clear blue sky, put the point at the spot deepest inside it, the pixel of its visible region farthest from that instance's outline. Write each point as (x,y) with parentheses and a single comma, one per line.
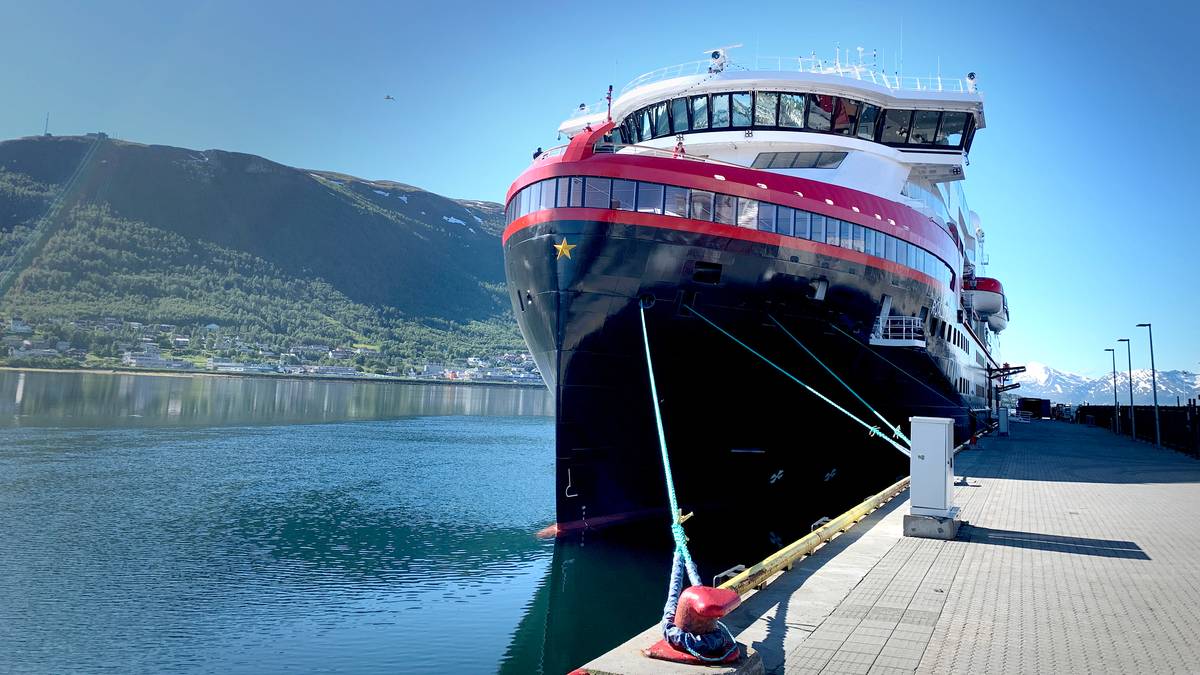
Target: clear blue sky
(1084,179)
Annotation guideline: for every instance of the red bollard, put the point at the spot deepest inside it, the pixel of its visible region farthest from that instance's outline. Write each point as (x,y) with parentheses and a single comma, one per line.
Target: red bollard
(699,609)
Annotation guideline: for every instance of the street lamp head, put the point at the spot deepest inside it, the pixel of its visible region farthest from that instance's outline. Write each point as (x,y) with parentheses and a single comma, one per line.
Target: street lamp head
(1110,349)
(1143,325)
(1123,340)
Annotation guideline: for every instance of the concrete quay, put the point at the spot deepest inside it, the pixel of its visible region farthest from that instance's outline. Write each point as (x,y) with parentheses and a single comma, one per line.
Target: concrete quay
(1079,553)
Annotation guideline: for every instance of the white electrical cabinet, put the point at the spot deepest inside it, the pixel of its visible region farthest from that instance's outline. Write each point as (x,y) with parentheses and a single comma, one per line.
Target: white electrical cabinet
(932,467)
(1003,422)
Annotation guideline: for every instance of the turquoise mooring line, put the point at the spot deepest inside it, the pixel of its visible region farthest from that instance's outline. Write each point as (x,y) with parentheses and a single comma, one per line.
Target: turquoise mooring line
(676,526)
(904,372)
(874,430)
(894,427)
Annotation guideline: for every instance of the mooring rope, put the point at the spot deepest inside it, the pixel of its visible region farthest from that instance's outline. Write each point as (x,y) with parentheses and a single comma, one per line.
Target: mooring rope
(894,427)
(676,517)
(873,430)
(681,562)
(885,360)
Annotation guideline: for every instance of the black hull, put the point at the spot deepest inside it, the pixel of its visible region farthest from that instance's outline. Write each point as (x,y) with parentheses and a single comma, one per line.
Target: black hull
(742,436)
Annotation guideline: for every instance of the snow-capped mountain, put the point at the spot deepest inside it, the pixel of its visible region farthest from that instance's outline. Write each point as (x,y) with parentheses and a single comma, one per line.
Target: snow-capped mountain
(1042,381)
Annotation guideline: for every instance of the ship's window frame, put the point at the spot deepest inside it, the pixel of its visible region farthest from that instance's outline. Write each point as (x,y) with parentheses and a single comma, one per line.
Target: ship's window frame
(647,125)
(817,227)
(597,189)
(724,209)
(766,109)
(743,117)
(662,121)
(859,234)
(942,138)
(868,121)
(840,109)
(822,120)
(626,198)
(718,106)
(699,117)
(806,217)
(577,191)
(549,193)
(869,241)
(924,126)
(801,111)
(706,212)
(649,198)
(846,238)
(679,106)
(747,213)
(680,197)
(767,216)
(564,191)
(784,220)
(889,248)
(896,126)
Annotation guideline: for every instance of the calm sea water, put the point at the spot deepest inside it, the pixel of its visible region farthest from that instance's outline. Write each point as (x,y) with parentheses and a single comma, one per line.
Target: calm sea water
(182,524)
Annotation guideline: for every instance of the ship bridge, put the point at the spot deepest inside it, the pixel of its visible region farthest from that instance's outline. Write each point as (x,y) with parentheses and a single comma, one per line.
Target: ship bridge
(901,138)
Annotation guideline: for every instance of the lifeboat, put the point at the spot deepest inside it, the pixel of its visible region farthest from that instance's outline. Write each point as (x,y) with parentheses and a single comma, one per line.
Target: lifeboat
(986,296)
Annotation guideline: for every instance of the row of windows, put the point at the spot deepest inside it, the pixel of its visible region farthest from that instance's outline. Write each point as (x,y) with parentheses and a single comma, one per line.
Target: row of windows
(797,112)
(629,195)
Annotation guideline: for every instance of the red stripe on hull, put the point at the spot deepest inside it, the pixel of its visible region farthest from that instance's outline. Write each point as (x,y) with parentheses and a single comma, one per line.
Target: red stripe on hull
(910,225)
(716,230)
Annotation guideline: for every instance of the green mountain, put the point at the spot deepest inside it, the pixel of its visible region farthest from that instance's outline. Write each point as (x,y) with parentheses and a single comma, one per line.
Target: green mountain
(94,227)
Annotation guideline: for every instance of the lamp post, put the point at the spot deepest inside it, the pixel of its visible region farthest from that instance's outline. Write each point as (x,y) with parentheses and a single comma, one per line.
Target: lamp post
(1132,410)
(1116,419)
(1153,384)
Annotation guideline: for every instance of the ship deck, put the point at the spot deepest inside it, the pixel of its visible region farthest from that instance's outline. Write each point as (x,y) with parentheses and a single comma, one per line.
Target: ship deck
(1079,554)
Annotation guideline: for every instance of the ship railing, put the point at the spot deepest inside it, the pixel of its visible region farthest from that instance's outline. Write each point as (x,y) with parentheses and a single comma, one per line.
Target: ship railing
(809,64)
(650,151)
(898,331)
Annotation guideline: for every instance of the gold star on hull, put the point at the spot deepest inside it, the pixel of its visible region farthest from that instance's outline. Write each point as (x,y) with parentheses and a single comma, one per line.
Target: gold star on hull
(564,249)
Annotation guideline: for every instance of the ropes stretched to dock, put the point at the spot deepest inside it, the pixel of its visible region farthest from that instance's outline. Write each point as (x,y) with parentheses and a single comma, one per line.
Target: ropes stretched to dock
(894,427)
(885,360)
(873,430)
(693,628)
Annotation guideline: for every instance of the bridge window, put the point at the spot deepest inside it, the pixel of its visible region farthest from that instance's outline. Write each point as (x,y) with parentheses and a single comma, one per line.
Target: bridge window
(650,198)
(951,130)
(791,110)
(662,124)
(720,111)
(847,238)
(869,242)
(741,109)
(766,217)
(595,194)
(845,116)
(675,201)
(924,126)
(860,238)
(889,247)
(725,209)
(624,193)
(820,110)
(699,112)
(548,193)
(701,205)
(895,126)
(679,115)
(867,121)
(765,105)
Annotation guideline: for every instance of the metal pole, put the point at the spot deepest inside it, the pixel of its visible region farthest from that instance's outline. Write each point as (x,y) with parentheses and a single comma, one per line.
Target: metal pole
(1116,419)
(1154,384)
(1132,410)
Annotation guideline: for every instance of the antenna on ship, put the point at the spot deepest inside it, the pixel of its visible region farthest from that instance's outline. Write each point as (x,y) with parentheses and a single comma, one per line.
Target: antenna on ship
(46,129)
(608,97)
(720,56)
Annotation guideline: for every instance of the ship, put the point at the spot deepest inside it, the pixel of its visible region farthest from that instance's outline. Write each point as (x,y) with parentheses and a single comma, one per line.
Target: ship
(791,240)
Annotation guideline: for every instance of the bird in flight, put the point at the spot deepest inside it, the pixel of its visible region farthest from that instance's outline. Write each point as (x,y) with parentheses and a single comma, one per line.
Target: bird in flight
(388,98)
